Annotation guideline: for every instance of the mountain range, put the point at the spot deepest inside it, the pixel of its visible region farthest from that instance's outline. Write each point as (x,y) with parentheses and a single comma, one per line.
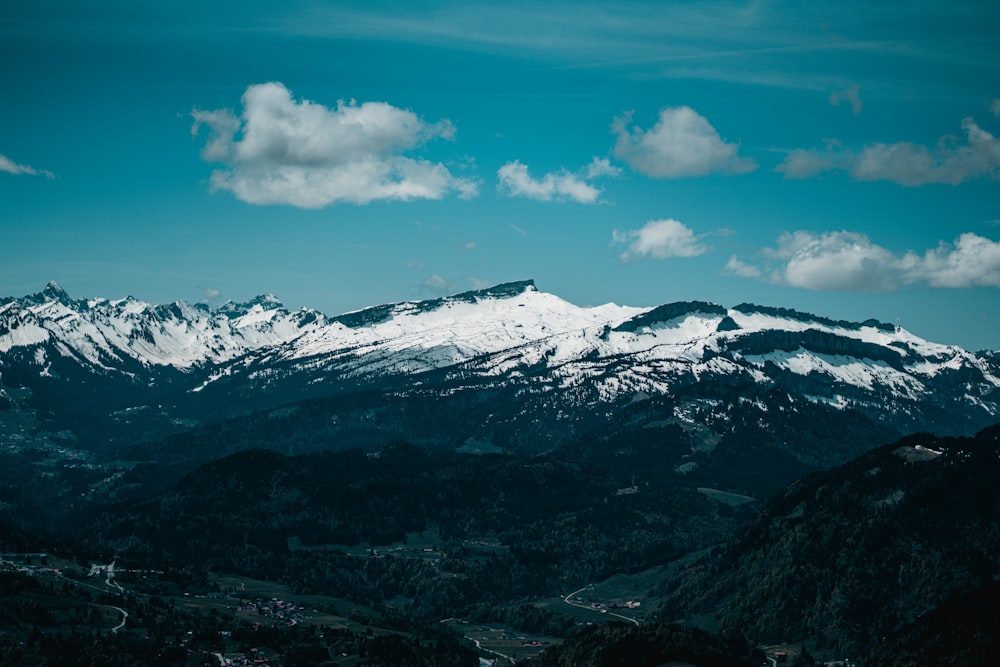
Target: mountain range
(533,353)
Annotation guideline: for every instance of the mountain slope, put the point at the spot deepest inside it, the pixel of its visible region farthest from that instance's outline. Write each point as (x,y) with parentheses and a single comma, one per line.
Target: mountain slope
(845,557)
(964,631)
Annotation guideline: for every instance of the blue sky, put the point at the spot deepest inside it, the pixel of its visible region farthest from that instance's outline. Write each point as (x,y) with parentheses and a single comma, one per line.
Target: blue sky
(841,158)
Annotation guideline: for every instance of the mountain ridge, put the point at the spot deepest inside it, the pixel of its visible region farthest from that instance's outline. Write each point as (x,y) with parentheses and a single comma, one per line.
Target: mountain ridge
(533,352)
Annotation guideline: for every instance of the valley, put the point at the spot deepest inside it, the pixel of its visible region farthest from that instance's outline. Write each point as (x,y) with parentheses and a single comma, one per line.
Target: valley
(498,475)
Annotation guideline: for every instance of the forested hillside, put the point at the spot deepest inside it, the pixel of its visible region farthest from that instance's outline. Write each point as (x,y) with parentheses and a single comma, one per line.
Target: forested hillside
(846,557)
(506,528)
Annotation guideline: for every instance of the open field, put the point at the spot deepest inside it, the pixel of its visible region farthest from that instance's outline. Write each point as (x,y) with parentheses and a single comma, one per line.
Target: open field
(503,641)
(311,609)
(726,497)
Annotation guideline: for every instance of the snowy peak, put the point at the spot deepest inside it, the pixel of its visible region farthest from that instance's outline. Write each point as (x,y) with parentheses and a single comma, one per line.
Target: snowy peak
(671,311)
(54,292)
(806,318)
(379,314)
(816,341)
(116,334)
(260,303)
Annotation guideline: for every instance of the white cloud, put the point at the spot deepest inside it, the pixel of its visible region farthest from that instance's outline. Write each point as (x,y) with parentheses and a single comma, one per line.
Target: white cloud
(438,285)
(849,261)
(995,107)
(223,126)
(515,181)
(835,261)
(479,283)
(806,162)
(851,95)
(599,167)
(9,166)
(951,161)
(210,293)
(973,261)
(286,151)
(682,143)
(659,239)
(738,268)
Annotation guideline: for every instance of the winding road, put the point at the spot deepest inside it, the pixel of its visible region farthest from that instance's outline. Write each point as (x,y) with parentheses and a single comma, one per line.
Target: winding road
(120,626)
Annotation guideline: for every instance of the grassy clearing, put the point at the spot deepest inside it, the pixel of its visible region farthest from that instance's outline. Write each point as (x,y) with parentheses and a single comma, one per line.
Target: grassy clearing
(317,609)
(424,544)
(503,641)
(726,498)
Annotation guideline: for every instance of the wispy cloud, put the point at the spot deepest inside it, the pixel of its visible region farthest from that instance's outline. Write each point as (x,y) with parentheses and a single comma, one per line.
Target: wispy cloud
(682,143)
(438,285)
(850,95)
(515,181)
(737,267)
(850,261)
(286,151)
(9,166)
(749,42)
(478,283)
(630,33)
(618,30)
(599,167)
(951,161)
(659,239)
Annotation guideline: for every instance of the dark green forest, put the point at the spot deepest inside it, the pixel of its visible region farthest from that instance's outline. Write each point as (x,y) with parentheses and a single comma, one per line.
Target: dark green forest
(850,555)
(556,525)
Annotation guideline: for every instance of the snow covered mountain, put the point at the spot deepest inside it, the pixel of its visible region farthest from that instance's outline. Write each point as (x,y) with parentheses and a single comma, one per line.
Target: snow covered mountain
(539,358)
(115,335)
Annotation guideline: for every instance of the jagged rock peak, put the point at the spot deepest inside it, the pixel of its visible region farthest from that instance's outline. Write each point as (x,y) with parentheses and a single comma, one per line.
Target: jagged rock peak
(265,301)
(53,289)
(52,292)
(727,324)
